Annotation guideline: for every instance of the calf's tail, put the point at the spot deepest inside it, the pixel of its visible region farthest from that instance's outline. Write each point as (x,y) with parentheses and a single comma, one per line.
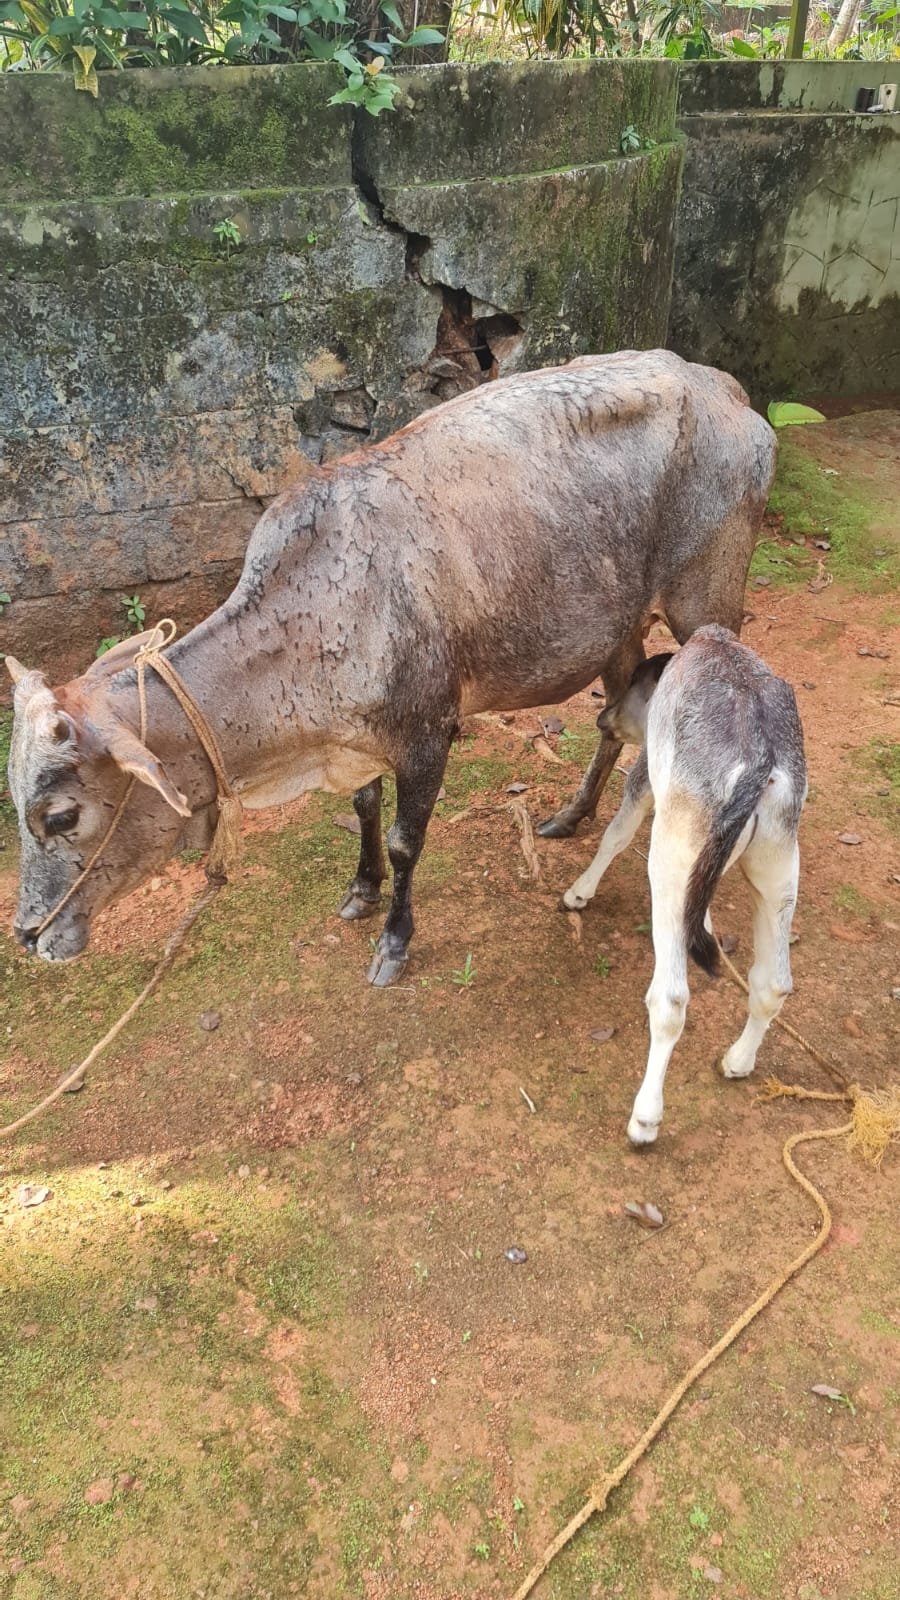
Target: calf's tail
(727,826)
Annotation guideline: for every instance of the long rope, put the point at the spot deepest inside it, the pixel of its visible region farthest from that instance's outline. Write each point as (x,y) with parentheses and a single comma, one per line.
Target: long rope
(221,855)
(603,1488)
(174,944)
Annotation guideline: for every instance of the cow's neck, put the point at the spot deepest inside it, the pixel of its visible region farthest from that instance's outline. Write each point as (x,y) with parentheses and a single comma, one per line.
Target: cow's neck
(278,737)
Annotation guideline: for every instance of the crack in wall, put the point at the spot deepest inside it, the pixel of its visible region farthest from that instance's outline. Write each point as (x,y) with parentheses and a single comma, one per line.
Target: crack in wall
(472,339)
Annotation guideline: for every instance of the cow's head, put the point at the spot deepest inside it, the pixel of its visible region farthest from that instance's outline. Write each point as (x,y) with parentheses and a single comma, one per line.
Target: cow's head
(72,759)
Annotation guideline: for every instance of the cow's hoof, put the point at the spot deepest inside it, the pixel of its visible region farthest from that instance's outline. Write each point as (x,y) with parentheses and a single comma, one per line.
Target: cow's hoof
(355,906)
(385,969)
(561,826)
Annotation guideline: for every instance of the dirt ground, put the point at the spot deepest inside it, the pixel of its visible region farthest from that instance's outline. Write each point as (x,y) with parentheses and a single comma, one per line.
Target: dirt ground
(262,1338)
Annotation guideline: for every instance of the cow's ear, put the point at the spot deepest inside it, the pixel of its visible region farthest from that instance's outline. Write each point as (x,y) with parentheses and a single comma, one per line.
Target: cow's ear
(120,655)
(28,683)
(134,758)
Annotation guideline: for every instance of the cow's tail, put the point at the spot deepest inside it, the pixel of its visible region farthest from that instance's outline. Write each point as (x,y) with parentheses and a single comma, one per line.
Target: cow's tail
(727,826)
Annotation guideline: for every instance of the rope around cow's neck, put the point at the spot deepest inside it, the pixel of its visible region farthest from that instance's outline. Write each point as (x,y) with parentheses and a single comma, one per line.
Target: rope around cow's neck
(224,846)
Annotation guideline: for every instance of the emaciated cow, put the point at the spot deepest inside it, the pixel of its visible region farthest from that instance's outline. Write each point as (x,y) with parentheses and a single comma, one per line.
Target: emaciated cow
(501,551)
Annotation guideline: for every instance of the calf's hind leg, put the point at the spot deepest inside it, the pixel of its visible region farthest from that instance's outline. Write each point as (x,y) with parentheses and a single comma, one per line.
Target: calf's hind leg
(363,896)
(771,867)
(671,858)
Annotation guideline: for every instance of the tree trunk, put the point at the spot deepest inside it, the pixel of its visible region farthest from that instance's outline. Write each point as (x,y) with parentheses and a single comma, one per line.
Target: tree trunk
(846,22)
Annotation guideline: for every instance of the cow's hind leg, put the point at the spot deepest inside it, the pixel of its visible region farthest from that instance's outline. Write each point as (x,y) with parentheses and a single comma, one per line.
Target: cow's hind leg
(771,867)
(363,896)
(617,675)
(419,780)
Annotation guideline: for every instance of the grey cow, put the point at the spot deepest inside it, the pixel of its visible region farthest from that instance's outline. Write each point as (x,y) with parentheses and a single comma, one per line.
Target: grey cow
(722,763)
(502,551)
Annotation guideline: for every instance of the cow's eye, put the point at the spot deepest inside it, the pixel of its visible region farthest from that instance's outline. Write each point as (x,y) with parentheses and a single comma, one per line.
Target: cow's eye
(61,821)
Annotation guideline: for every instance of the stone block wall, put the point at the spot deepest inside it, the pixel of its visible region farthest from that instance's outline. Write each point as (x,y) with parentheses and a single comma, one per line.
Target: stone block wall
(159,384)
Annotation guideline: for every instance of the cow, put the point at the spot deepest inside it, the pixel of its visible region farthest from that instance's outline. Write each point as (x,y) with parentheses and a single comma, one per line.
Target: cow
(502,551)
(722,765)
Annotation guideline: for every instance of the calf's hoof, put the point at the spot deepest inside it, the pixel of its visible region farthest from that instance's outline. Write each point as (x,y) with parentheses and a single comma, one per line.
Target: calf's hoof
(385,969)
(734,1066)
(355,906)
(642,1134)
(560,826)
(573,902)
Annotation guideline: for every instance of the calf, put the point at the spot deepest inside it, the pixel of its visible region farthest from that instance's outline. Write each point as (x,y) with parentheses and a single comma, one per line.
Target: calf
(722,763)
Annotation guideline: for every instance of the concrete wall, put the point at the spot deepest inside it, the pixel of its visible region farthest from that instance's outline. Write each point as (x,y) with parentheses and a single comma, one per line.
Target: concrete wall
(156,389)
(788,261)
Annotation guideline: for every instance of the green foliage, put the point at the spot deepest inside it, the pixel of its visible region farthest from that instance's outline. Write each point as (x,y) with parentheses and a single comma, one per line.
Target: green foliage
(84,37)
(5,599)
(465,976)
(602,966)
(228,234)
(135,617)
(631,141)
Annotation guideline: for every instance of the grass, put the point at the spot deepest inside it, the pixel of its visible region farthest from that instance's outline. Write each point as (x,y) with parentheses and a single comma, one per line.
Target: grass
(848,898)
(817,505)
(881,758)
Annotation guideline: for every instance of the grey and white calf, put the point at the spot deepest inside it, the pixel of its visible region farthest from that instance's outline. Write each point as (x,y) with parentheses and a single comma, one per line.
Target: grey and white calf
(722,763)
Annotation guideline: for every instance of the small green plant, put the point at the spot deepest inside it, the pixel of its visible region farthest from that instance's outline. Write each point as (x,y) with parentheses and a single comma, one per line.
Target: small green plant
(483,1551)
(699,1519)
(602,966)
(135,612)
(228,235)
(518,1505)
(464,977)
(312,237)
(631,141)
(420,1271)
(467,1336)
(135,616)
(5,599)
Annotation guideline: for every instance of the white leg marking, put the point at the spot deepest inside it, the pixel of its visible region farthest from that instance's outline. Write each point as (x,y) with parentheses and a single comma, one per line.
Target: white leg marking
(672,856)
(772,869)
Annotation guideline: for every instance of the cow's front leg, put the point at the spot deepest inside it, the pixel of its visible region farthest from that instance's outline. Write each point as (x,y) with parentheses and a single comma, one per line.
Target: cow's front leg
(418,782)
(363,897)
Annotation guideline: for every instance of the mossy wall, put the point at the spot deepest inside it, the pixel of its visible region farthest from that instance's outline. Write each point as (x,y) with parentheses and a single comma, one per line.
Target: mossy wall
(788,261)
(159,384)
